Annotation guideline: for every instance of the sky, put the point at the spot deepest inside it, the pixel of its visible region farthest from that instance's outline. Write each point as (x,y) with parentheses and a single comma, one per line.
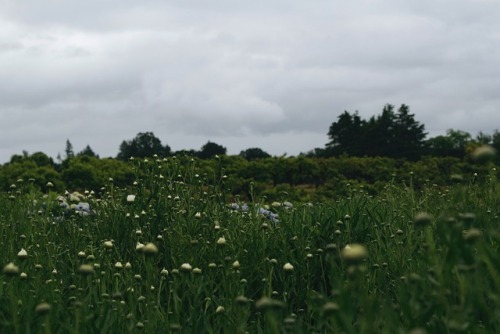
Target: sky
(273,74)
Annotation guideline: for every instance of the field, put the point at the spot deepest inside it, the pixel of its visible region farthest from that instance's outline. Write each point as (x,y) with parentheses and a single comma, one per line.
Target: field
(169,254)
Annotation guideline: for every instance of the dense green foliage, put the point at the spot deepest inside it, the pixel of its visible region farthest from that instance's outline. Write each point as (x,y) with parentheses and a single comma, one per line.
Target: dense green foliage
(211,269)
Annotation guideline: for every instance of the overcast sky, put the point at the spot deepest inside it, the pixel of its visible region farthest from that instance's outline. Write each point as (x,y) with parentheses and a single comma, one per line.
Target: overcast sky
(272,74)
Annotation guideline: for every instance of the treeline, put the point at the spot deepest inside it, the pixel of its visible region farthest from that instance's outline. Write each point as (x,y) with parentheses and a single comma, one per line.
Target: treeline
(360,152)
(273,178)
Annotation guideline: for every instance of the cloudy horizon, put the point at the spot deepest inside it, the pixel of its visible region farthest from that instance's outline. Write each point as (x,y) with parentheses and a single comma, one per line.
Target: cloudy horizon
(267,74)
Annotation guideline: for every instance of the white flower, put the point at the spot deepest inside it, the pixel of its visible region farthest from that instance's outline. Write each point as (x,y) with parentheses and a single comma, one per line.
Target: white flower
(221,241)
(354,253)
(288,267)
(11,269)
(22,254)
(150,249)
(186,267)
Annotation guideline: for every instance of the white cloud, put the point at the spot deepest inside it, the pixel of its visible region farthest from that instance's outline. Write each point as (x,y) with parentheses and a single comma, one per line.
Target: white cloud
(254,73)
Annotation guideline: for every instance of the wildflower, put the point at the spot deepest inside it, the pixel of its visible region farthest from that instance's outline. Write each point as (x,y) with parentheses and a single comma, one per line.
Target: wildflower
(23,254)
(150,249)
(219,309)
(86,269)
(354,253)
(164,272)
(242,300)
(330,307)
(288,267)
(50,185)
(186,267)
(472,235)
(11,269)
(23,275)
(139,247)
(108,244)
(197,271)
(42,308)
(197,215)
(266,303)
(82,254)
(118,265)
(483,153)
(128,266)
(236,265)
(422,219)
(221,241)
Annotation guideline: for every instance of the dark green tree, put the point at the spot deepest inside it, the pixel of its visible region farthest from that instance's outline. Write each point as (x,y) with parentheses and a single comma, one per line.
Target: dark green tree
(209,150)
(145,144)
(453,144)
(390,134)
(87,151)
(254,153)
(69,150)
(346,135)
(409,135)
(378,133)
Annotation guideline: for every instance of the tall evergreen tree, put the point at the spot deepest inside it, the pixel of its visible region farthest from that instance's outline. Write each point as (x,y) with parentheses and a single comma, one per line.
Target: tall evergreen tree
(69,150)
(409,135)
(346,135)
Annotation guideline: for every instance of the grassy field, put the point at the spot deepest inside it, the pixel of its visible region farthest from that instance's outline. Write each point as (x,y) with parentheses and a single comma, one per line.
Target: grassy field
(168,254)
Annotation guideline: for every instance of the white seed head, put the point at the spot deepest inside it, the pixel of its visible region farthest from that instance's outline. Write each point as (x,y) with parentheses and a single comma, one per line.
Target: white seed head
(23,254)
(221,241)
(42,308)
(11,269)
(186,267)
(86,269)
(288,267)
(354,252)
(108,244)
(150,249)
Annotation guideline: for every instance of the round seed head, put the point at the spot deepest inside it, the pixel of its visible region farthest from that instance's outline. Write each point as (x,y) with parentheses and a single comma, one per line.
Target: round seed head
(108,244)
(220,309)
(42,308)
(422,219)
(221,241)
(330,308)
(266,303)
(354,253)
(288,267)
(86,269)
(11,269)
(186,267)
(472,235)
(484,153)
(150,249)
(23,254)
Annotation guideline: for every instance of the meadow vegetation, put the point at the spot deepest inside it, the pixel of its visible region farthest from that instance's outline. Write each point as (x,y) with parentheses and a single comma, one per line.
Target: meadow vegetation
(411,250)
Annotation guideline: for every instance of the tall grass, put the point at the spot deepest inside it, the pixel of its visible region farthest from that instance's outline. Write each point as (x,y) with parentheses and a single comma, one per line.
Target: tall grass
(177,258)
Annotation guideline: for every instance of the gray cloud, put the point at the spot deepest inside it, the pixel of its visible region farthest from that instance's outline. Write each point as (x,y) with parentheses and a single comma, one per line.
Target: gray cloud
(256,73)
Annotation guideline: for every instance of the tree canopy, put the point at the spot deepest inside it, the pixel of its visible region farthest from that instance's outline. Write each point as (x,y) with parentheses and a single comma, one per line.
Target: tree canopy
(145,144)
(394,134)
